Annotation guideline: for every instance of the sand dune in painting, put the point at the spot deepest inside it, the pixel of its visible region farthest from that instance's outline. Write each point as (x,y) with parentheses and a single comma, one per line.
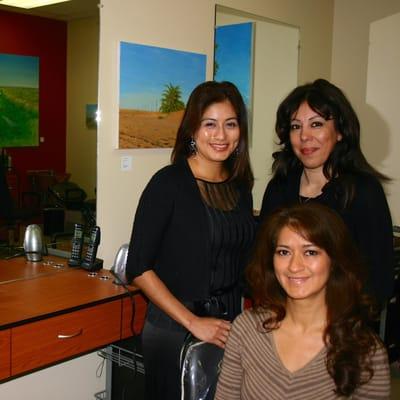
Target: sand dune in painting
(147,129)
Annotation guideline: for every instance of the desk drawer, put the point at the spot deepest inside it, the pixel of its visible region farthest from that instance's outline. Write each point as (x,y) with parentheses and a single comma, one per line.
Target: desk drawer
(53,339)
(5,348)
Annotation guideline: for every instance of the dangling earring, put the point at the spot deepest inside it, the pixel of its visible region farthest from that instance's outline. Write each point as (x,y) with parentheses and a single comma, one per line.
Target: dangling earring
(192,146)
(236,152)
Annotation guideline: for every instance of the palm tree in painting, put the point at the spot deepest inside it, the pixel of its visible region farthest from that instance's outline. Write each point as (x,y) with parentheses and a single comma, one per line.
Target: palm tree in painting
(171,99)
(216,64)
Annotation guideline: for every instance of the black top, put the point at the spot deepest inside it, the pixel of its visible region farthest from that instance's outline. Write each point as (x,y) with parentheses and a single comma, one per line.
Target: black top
(367,217)
(231,233)
(193,247)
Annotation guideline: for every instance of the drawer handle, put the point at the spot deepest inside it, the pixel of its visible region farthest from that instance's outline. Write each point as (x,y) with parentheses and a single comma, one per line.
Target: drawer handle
(60,336)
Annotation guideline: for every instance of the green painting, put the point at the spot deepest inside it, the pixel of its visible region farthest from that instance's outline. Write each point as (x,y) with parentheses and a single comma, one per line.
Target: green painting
(19,101)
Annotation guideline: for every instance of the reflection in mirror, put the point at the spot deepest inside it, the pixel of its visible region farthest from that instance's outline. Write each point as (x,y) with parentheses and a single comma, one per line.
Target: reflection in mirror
(54,183)
(274,73)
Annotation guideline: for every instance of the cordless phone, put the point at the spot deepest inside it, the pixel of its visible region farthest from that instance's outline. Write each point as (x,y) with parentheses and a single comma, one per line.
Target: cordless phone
(90,262)
(77,245)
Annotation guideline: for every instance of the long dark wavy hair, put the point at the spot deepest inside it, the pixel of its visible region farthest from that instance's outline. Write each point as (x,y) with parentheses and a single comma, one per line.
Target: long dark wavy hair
(346,159)
(349,340)
(203,96)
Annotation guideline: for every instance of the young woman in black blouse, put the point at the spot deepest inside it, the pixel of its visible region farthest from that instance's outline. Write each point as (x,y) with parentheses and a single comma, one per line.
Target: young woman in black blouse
(320,160)
(191,235)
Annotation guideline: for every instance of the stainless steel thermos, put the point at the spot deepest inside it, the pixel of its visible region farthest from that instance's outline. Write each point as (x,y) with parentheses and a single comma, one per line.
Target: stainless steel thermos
(33,243)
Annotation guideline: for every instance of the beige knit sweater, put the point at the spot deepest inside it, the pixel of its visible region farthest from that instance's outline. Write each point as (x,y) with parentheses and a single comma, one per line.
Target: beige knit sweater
(252,370)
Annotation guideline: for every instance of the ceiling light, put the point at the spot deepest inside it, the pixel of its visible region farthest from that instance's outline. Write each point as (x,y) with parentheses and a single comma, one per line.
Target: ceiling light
(29,3)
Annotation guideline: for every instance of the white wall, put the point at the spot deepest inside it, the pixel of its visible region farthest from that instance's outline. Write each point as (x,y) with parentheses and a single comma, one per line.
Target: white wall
(366,65)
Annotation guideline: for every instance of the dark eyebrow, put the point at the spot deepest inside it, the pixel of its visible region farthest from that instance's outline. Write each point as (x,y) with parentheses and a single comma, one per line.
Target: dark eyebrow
(214,119)
(304,246)
(309,119)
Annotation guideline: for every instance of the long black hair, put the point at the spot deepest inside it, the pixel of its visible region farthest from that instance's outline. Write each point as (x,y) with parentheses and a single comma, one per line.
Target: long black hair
(346,159)
(203,96)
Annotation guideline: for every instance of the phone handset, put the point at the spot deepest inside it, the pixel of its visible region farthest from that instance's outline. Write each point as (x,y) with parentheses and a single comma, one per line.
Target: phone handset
(89,262)
(77,245)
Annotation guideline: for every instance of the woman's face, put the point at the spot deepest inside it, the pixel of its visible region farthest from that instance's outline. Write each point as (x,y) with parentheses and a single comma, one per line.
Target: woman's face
(218,134)
(312,137)
(301,267)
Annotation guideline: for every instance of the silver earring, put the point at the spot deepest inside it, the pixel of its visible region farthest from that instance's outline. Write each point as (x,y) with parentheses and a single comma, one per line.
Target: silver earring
(192,146)
(236,152)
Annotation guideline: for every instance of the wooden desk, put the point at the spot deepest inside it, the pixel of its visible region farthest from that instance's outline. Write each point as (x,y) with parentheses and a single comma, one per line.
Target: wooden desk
(49,313)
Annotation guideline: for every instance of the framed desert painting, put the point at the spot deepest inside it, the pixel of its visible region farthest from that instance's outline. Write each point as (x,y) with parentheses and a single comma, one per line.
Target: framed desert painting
(19,100)
(155,84)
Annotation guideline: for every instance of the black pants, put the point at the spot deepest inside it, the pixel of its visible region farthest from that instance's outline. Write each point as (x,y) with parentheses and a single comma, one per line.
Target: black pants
(161,351)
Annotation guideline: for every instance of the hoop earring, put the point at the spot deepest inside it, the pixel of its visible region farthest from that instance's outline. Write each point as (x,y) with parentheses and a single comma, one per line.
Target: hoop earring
(192,146)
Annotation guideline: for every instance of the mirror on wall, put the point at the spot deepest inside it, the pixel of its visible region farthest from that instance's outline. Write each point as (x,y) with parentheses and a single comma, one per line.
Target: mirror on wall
(65,39)
(270,71)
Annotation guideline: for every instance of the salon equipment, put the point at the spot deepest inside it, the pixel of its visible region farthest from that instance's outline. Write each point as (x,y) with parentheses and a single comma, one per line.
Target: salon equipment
(71,199)
(119,267)
(16,209)
(200,368)
(33,243)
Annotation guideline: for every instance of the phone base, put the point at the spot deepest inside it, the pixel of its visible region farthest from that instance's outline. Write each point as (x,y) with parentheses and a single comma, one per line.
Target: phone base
(74,263)
(98,264)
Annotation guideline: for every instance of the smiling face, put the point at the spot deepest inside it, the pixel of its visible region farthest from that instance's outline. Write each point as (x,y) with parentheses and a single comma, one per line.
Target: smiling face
(218,134)
(312,137)
(301,267)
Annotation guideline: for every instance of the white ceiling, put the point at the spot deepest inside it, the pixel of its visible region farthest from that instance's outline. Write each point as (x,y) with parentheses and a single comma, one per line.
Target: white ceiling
(67,11)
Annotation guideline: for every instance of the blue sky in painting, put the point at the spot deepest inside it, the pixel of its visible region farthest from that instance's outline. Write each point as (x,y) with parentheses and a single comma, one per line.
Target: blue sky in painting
(234,56)
(145,70)
(19,71)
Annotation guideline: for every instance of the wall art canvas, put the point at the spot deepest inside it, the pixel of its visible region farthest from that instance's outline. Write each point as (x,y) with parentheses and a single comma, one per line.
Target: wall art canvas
(233,58)
(155,84)
(19,100)
(91,116)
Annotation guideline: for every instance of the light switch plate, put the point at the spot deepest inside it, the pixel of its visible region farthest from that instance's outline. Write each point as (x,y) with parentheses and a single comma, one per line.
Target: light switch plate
(126,163)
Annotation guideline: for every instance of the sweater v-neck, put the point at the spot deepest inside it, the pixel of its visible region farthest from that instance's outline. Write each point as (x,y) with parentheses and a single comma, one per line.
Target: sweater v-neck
(300,370)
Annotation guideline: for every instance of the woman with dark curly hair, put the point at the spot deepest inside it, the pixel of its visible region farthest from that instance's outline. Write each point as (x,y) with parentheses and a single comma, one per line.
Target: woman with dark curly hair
(320,160)
(308,335)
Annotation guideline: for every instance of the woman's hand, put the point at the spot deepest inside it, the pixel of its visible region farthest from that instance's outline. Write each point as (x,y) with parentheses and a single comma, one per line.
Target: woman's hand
(211,330)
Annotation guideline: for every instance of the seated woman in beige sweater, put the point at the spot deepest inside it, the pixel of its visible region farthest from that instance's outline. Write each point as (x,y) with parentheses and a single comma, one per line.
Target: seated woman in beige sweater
(308,335)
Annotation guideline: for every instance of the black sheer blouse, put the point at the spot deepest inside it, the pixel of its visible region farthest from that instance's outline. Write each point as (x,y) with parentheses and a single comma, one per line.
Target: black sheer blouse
(231,233)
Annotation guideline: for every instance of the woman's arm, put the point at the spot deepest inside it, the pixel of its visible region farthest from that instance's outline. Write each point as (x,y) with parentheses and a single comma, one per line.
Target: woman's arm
(373,232)
(211,330)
